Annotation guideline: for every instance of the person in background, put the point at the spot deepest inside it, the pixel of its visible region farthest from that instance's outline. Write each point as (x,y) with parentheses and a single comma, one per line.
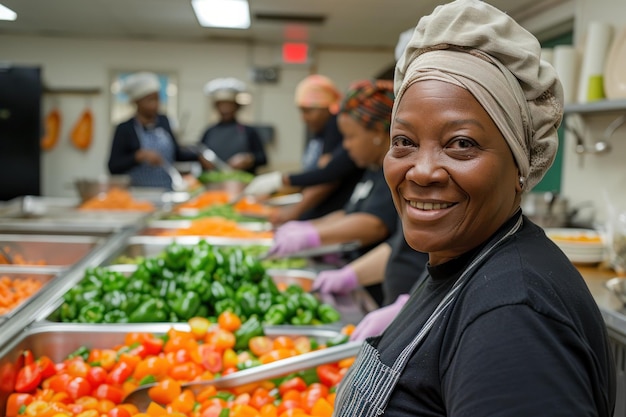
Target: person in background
(237,144)
(144,145)
(504,323)
(369,215)
(392,264)
(328,173)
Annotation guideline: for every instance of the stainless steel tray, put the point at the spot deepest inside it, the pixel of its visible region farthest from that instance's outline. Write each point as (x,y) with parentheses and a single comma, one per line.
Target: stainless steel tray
(48,250)
(153,245)
(60,216)
(256,226)
(57,340)
(301,277)
(43,275)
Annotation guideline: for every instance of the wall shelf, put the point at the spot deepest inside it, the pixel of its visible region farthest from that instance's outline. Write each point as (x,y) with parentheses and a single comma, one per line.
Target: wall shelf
(72,91)
(601,106)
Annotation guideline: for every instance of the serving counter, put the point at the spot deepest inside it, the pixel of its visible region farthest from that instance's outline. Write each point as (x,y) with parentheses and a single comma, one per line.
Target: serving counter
(614,314)
(104,238)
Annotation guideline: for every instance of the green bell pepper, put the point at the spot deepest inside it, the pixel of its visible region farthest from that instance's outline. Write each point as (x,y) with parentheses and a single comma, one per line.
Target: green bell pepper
(115,316)
(68,311)
(139,287)
(254,270)
(227,304)
(264,302)
(308,301)
(249,329)
(276,314)
(328,314)
(303,317)
(112,281)
(114,300)
(292,303)
(150,310)
(154,266)
(92,312)
(218,291)
(249,303)
(267,285)
(142,273)
(176,256)
(198,283)
(202,259)
(186,306)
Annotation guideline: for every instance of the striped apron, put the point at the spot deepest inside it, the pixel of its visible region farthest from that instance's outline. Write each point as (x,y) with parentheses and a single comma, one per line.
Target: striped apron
(368,385)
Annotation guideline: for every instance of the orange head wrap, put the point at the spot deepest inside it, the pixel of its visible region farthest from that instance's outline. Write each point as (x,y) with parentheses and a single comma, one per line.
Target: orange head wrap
(318,91)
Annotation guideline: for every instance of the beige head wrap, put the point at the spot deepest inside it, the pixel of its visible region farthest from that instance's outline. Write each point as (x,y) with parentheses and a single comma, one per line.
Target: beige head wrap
(318,91)
(478,47)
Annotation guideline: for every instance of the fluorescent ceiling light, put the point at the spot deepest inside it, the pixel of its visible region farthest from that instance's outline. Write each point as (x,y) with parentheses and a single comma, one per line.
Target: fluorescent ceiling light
(234,14)
(6,13)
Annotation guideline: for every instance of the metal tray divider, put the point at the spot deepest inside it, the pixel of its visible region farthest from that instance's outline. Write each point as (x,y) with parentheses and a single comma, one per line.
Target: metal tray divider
(45,302)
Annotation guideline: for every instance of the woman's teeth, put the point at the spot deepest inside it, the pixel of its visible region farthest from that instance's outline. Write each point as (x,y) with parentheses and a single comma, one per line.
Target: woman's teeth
(429,206)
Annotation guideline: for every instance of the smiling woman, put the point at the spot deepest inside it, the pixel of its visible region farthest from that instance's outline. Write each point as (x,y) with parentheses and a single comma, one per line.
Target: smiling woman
(503,324)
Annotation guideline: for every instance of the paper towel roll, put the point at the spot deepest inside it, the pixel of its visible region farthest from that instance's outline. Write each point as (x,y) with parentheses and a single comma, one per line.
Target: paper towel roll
(547,54)
(594,55)
(566,66)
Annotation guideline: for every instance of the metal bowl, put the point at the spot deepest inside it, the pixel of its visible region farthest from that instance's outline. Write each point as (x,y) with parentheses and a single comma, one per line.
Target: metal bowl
(88,188)
(617,286)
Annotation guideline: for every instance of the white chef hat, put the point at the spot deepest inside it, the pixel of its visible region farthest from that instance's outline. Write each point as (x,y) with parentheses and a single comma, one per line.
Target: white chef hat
(227,89)
(140,84)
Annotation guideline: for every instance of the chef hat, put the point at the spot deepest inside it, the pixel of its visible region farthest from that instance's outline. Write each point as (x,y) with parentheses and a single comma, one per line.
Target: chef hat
(473,45)
(318,91)
(140,84)
(226,89)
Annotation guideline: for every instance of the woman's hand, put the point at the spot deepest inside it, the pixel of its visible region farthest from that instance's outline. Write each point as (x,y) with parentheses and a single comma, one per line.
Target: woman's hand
(293,237)
(339,281)
(148,156)
(241,161)
(377,321)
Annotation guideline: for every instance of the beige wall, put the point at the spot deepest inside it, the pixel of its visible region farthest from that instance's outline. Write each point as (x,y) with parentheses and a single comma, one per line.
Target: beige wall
(89,63)
(585,178)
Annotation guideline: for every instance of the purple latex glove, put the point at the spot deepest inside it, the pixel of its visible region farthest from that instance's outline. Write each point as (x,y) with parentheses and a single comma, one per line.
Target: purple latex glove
(291,225)
(377,321)
(295,238)
(338,281)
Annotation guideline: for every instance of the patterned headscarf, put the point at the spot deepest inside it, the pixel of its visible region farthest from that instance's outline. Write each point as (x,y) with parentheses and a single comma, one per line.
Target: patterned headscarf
(473,45)
(370,102)
(318,91)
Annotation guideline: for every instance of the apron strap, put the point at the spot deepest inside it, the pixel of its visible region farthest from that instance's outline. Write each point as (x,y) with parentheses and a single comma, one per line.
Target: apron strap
(403,358)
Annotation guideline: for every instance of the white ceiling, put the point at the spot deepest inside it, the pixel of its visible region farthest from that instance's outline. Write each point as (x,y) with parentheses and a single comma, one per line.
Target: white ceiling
(348,23)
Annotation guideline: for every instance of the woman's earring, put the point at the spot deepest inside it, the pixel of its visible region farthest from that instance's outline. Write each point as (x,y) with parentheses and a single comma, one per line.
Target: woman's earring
(522,182)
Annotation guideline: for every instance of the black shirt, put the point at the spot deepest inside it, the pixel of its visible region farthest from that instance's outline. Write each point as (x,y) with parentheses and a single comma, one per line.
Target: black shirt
(229,138)
(523,337)
(404,267)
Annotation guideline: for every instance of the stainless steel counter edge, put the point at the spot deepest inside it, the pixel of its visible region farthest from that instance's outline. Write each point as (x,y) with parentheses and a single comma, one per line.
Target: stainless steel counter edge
(50,297)
(610,305)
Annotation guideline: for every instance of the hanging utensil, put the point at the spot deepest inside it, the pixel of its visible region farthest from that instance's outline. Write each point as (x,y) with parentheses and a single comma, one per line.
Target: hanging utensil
(140,398)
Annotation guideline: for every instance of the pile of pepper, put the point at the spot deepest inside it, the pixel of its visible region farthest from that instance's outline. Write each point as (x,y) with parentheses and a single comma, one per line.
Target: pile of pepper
(185,282)
(92,382)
